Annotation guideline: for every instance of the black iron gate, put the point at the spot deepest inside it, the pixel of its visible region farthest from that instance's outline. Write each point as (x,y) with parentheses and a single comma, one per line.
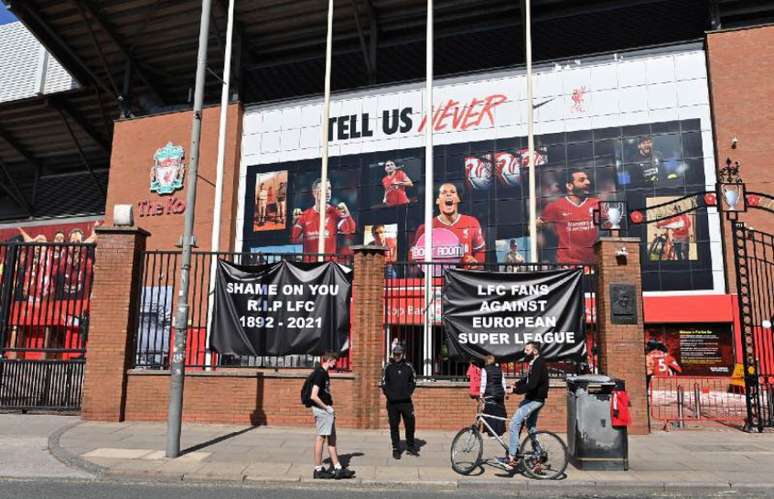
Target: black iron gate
(754,259)
(45,292)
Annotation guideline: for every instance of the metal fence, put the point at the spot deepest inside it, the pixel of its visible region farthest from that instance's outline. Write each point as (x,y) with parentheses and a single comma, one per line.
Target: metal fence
(45,291)
(158,294)
(682,401)
(406,315)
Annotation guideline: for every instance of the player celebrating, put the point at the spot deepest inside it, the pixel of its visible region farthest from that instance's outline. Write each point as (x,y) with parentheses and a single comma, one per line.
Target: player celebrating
(680,225)
(465,241)
(572,220)
(306,228)
(395,183)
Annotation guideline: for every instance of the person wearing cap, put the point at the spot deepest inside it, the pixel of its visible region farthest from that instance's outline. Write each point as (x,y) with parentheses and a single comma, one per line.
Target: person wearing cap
(398,383)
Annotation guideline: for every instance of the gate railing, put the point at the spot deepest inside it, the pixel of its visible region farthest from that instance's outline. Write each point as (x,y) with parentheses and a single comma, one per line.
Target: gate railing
(680,401)
(406,315)
(45,292)
(158,294)
(754,258)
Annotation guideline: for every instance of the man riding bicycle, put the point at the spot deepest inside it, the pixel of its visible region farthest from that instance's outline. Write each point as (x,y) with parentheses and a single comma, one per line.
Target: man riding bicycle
(535,390)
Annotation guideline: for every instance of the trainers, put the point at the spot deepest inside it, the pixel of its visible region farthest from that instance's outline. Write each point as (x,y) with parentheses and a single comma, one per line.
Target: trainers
(396,453)
(323,474)
(343,474)
(507,463)
(412,451)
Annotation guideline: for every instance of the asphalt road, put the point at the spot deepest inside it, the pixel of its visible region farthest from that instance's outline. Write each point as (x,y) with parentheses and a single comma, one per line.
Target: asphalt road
(85,489)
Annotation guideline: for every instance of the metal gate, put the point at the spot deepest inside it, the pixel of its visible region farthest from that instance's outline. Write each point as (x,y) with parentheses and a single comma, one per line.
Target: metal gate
(45,292)
(754,259)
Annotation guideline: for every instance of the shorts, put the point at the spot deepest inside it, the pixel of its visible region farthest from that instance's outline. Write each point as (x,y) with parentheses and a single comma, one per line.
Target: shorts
(325,423)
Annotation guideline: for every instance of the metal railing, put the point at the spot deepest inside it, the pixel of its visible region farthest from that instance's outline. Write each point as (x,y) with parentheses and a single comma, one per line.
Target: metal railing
(45,298)
(406,314)
(158,293)
(680,401)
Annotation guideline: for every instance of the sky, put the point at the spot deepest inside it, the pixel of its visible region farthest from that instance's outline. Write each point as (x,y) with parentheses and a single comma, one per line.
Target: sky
(5,15)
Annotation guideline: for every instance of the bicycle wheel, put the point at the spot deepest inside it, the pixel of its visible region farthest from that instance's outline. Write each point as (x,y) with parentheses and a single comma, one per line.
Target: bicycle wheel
(466,450)
(544,455)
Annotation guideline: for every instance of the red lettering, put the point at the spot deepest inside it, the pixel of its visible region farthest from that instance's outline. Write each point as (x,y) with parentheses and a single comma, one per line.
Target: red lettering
(464,117)
(492,102)
(472,117)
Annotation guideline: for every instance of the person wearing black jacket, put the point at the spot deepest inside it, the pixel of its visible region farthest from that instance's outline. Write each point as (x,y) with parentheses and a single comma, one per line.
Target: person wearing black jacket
(535,390)
(398,385)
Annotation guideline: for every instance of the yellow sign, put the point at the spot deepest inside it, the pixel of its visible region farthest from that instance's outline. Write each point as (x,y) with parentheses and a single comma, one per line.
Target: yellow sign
(737,378)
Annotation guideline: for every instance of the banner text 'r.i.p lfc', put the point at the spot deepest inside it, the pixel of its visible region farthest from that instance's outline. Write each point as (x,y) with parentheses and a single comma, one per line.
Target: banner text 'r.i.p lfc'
(281,308)
(498,313)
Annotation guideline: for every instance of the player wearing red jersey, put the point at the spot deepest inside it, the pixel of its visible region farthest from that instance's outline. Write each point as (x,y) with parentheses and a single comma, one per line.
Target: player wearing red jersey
(465,240)
(395,183)
(572,220)
(306,228)
(680,225)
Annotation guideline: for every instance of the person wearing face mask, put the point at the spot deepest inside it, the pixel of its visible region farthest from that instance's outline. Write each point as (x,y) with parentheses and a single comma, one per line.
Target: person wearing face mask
(535,389)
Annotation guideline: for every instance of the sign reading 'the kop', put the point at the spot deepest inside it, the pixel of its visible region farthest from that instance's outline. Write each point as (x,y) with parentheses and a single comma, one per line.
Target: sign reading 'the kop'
(282,308)
(497,313)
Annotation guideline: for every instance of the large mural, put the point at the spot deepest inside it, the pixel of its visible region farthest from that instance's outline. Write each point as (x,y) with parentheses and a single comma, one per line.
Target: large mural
(635,131)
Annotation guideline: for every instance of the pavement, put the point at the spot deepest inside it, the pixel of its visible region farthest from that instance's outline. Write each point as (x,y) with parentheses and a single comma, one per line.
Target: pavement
(719,460)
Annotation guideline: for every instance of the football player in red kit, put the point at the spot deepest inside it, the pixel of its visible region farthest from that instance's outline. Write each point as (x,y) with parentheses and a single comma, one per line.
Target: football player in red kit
(395,183)
(466,239)
(306,228)
(572,220)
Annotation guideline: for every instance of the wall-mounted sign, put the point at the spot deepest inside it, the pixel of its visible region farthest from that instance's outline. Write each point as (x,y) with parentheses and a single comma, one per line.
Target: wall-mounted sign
(168,169)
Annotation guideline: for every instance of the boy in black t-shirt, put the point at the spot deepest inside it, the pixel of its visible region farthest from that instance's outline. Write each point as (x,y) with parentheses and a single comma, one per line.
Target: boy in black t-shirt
(325,420)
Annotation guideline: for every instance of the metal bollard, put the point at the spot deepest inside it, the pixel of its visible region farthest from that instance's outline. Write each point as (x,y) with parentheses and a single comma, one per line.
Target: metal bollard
(697,400)
(680,407)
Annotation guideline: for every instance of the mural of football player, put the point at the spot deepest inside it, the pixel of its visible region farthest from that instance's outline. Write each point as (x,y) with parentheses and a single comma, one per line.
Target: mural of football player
(456,237)
(678,229)
(395,183)
(306,228)
(571,218)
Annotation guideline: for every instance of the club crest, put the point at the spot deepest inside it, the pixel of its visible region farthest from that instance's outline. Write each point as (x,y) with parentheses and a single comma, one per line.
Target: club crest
(168,169)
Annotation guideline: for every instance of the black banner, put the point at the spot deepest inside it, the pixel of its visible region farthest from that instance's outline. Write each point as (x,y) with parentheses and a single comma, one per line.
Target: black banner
(282,308)
(497,313)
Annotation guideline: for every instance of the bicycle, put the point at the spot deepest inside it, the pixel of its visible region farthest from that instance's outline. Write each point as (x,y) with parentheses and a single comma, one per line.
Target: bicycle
(542,454)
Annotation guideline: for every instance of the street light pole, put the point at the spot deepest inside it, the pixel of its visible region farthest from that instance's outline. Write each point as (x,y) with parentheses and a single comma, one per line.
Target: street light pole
(177,368)
(533,257)
(322,203)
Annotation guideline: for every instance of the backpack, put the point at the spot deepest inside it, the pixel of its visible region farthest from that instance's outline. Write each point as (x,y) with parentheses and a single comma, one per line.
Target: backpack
(306,391)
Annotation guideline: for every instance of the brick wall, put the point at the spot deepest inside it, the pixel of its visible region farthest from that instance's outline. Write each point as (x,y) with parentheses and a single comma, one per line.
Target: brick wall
(112,324)
(741,65)
(622,346)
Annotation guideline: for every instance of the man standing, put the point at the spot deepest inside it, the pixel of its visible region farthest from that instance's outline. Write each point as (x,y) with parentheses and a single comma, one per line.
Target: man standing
(456,236)
(325,420)
(535,390)
(282,196)
(262,198)
(513,258)
(306,228)
(398,384)
(572,219)
(680,225)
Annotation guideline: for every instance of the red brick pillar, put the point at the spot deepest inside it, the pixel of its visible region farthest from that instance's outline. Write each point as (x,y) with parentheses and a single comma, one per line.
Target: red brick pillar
(114,302)
(367,334)
(622,346)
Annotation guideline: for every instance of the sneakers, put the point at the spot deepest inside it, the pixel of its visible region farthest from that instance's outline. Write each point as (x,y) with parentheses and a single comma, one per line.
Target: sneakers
(343,474)
(323,474)
(507,463)
(412,451)
(396,453)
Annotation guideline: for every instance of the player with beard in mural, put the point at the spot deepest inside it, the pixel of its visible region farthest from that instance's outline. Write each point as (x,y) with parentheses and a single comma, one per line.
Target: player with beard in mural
(572,220)
(456,237)
(338,220)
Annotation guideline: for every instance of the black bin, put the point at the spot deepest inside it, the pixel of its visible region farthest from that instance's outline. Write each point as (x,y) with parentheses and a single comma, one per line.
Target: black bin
(593,443)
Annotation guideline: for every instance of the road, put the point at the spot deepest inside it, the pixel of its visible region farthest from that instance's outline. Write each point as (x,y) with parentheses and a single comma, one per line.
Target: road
(86,489)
